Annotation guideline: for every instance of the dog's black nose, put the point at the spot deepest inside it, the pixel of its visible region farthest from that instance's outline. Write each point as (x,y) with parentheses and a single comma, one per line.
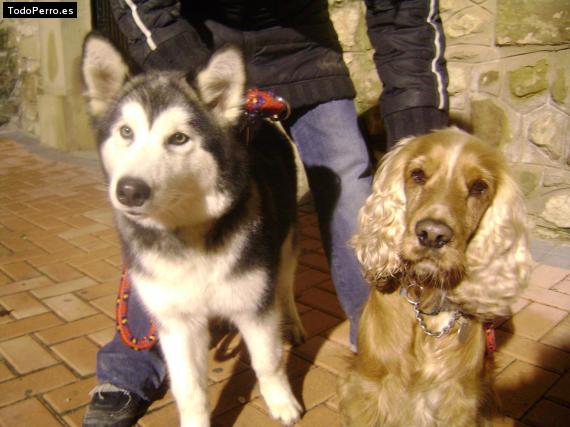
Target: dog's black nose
(132,191)
(433,234)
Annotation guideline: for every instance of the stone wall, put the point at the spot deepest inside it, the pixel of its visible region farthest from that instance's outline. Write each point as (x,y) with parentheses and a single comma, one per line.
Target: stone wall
(19,72)
(508,60)
(509,67)
(40,82)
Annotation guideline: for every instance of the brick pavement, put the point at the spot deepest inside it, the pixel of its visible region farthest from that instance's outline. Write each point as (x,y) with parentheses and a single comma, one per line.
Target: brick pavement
(59,270)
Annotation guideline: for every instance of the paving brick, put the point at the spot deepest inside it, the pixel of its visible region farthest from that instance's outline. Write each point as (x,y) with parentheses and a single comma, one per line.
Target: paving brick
(24,285)
(563,287)
(27,413)
(323,301)
(75,329)
(310,245)
(310,230)
(534,321)
(75,418)
(316,261)
(106,304)
(548,297)
(520,386)
(5,373)
(236,391)
(103,336)
(53,244)
(3,278)
(97,291)
(339,333)
(101,271)
(93,228)
(69,307)
(317,386)
(558,336)
(79,353)
(64,287)
(328,286)
(28,325)
(20,270)
(319,417)
(324,353)
(23,305)
(71,396)
(166,416)
(533,352)
(501,361)
(245,416)
(224,364)
(546,276)
(60,272)
(560,393)
(25,355)
(548,414)
(29,385)
(316,322)
(166,400)
(307,279)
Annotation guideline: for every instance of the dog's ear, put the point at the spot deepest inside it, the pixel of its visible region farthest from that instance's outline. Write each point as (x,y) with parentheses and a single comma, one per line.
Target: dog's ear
(221,84)
(498,257)
(104,72)
(381,221)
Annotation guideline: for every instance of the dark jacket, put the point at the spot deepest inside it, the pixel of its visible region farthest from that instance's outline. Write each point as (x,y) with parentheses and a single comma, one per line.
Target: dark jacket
(292,48)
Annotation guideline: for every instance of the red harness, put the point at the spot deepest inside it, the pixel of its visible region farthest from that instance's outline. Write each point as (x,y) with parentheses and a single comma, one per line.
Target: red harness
(258,104)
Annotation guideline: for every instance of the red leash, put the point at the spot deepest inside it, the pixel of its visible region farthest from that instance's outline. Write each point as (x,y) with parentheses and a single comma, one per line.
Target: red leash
(122,321)
(258,104)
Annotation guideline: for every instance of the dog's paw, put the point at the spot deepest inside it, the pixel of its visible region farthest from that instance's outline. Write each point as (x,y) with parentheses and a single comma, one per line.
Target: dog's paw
(201,419)
(286,412)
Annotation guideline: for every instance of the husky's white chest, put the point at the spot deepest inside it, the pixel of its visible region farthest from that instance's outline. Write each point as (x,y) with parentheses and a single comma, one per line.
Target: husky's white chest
(198,284)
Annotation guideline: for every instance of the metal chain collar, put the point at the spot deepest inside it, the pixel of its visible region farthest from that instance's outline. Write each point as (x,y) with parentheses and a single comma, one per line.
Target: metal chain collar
(416,302)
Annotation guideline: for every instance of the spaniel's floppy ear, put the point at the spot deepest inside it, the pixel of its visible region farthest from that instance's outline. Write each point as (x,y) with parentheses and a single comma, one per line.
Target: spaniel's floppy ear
(104,72)
(381,221)
(498,256)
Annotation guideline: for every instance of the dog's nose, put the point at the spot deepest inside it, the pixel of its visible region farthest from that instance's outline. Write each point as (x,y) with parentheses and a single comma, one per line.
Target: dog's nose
(433,234)
(132,191)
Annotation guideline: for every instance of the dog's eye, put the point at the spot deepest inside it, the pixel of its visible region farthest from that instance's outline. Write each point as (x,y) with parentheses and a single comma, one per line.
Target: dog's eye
(126,132)
(178,138)
(419,176)
(478,187)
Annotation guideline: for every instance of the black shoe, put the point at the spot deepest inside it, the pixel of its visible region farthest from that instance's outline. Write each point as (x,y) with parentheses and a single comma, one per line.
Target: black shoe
(114,407)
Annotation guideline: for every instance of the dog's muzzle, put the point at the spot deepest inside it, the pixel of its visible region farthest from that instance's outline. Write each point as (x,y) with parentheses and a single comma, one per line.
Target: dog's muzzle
(132,192)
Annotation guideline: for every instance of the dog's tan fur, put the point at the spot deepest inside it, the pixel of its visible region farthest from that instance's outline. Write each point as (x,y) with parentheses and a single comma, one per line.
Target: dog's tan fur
(401,376)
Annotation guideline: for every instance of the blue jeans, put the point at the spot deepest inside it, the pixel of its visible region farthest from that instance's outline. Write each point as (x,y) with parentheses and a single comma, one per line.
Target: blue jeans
(338,169)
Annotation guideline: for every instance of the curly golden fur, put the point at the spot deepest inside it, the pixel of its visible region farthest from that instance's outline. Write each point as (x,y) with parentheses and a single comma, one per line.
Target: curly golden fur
(444,214)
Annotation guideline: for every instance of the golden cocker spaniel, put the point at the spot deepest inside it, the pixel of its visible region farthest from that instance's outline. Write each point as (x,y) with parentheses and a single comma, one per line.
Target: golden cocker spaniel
(443,241)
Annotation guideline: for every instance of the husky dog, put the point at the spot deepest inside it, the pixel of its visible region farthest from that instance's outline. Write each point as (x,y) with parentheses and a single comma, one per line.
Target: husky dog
(207,222)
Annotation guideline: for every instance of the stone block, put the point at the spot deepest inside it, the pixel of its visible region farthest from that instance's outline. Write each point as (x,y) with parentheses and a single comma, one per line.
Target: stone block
(559,88)
(547,130)
(557,209)
(490,122)
(529,80)
(459,76)
(472,25)
(524,22)
(489,82)
(350,24)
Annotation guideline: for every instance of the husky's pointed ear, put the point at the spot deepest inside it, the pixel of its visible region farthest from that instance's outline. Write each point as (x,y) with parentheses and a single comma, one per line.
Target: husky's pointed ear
(104,73)
(221,84)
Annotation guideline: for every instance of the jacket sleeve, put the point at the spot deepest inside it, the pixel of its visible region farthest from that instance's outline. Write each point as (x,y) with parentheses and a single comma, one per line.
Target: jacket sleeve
(158,37)
(409,45)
